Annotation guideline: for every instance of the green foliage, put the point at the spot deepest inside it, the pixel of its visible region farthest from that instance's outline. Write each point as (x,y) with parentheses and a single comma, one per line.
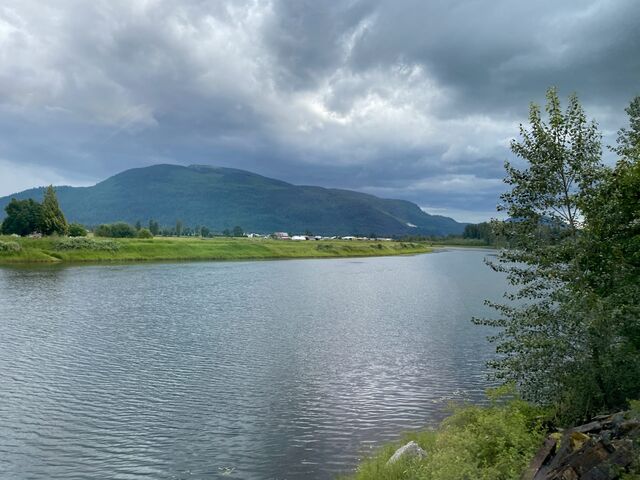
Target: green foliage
(82,243)
(237,232)
(491,443)
(569,335)
(9,247)
(480,231)
(23,217)
(144,233)
(52,220)
(83,249)
(116,230)
(205,232)
(154,227)
(77,230)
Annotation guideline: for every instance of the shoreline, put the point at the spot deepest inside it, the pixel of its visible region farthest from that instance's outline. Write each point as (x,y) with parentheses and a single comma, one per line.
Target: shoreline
(57,251)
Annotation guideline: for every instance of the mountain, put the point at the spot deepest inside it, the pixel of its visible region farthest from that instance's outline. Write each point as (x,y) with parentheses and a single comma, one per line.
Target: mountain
(224,197)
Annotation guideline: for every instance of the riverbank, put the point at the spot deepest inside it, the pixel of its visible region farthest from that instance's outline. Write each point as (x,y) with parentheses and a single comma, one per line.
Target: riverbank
(70,250)
(512,441)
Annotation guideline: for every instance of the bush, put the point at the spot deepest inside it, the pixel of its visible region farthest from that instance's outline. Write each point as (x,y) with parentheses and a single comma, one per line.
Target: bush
(145,233)
(491,443)
(82,243)
(9,247)
(116,230)
(77,230)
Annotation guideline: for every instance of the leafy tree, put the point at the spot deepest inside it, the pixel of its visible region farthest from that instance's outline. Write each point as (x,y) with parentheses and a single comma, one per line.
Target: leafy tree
(178,228)
(238,232)
(138,226)
(205,232)
(154,227)
(77,230)
(53,220)
(116,230)
(545,339)
(226,232)
(609,280)
(144,233)
(23,217)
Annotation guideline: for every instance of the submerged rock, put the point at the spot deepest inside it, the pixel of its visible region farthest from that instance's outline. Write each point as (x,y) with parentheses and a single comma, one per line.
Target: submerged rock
(411,449)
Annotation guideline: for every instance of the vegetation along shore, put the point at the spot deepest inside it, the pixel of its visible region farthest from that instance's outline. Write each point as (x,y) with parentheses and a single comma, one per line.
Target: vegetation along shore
(16,250)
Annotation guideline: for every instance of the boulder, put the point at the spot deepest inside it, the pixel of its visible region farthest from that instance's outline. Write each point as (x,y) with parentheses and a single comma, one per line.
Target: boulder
(603,449)
(411,449)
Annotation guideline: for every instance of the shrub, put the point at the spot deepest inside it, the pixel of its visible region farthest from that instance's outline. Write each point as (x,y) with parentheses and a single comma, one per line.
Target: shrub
(9,247)
(77,230)
(490,443)
(116,230)
(83,243)
(145,233)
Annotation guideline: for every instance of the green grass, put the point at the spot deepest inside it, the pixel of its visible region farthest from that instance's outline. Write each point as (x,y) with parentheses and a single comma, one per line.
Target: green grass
(52,249)
(495,442)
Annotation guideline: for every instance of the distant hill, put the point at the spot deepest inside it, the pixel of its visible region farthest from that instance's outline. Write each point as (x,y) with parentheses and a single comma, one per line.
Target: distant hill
(221,198)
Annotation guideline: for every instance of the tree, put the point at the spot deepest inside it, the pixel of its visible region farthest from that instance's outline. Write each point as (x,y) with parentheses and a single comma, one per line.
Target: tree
(144,233)
(53,220)
(23,217)
(609,263)
(138,226)
(205,232)
(116,230)
(178,228)
(238,232)
(154,227)
(77,230)
(545,341)
(226,232)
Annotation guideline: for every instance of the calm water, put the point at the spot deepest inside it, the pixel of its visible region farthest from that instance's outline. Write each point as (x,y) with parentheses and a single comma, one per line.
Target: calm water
(279,369)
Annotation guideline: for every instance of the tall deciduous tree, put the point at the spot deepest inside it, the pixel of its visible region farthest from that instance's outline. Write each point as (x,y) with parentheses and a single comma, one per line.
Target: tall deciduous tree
(53,220)
(544,338)
(23,217)
(609,262)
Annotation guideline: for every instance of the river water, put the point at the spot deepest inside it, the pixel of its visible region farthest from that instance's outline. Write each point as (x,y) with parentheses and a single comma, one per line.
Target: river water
(268,370)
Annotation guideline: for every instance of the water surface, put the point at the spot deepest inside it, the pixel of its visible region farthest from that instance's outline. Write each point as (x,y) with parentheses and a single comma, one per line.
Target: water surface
(282,369)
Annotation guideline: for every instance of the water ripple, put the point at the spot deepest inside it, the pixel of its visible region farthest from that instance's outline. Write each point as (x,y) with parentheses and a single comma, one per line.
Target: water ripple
(232,370)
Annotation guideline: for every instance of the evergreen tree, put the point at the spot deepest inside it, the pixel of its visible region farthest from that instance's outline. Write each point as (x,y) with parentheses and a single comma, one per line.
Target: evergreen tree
(53,220)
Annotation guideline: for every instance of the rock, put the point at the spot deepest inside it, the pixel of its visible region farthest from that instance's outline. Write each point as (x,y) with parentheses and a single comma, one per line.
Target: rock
(411,449)
(589,427)
(603,449)
(540,459)
(578,439)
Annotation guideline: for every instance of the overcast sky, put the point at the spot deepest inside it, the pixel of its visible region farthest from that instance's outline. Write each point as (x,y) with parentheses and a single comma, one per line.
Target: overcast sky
(405,99)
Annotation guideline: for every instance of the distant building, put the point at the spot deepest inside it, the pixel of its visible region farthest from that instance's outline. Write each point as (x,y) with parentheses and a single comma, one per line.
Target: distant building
(298,237)
(281,235)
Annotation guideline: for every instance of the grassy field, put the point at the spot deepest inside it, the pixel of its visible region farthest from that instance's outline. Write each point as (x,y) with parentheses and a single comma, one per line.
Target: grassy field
(56,250)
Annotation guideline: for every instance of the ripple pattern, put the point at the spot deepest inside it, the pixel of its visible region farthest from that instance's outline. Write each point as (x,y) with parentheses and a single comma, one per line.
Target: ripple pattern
(265,370)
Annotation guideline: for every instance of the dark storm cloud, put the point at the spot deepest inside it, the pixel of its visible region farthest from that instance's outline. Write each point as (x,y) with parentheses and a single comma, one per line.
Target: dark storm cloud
(408,99)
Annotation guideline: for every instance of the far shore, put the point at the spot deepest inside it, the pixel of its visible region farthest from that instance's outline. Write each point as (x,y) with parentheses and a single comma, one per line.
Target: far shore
(57,250)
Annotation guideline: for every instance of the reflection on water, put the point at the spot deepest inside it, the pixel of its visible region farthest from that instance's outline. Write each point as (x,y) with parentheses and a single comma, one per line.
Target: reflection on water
(283,369)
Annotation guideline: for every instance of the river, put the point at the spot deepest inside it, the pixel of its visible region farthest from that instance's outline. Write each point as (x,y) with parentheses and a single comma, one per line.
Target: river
(268,370)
